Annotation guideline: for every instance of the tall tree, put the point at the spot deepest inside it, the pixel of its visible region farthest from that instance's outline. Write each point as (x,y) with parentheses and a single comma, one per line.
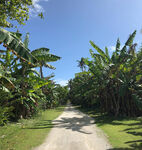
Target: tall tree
(81,64)
(14,10)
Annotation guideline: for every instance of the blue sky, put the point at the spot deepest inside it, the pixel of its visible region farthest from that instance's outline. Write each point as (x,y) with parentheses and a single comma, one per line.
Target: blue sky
(69,25)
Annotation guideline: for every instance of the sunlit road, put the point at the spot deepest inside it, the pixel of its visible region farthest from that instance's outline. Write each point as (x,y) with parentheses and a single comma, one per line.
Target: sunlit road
(74,130)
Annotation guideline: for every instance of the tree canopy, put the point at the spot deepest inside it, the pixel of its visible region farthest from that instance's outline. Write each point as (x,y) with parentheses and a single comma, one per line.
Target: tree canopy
(14,10)
(112,83)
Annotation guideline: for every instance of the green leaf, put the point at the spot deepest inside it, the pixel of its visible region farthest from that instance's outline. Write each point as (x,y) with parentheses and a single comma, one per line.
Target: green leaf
(13,43)
(118,45)
(130,40)
(100,51)
(49,66)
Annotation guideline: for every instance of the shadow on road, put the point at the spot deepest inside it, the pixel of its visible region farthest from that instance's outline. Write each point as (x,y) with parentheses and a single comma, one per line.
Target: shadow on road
(70,123)
(74,123)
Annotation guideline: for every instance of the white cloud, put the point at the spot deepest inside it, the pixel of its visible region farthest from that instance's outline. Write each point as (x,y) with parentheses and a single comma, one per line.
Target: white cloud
(37,8)
(61,82)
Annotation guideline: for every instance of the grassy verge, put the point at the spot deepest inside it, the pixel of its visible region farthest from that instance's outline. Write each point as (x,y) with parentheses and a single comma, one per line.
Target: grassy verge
(123,133)
(28,133)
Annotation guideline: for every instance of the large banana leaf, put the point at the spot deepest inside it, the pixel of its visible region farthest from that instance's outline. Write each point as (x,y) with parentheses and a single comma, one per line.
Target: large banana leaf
(40,51)
(49,66)
(107,53)
(12,41)
(100,51)
(47,58)
(130,40)
(42,54)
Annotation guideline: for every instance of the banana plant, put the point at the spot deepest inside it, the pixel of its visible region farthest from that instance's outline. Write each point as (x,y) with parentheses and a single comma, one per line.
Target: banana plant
(116,81)
(14,44)
(43,56)
(5,82)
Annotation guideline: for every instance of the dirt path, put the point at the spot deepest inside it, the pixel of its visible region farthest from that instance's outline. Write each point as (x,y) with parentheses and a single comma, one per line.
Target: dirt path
(74,130)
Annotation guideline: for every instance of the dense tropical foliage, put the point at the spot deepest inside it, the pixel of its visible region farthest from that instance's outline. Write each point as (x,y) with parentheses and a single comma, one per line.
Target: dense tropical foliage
(23,90)
(113,83)
(15,10)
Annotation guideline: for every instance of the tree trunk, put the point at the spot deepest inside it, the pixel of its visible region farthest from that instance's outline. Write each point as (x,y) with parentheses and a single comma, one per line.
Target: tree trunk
(41,72)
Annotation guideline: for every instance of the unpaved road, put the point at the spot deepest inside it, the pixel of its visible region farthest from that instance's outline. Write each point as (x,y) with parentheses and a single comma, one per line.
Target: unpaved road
(74,130)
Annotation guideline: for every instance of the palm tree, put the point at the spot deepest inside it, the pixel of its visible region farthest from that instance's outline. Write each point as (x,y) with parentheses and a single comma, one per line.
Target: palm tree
(81,64)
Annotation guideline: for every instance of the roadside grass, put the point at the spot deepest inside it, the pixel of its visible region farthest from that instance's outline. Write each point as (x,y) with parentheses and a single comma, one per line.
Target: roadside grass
(29,133)
(123,133)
